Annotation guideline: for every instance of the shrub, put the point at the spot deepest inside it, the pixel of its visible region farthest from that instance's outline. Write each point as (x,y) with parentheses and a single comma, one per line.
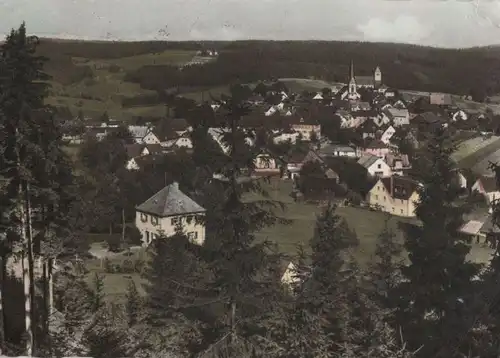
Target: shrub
(139,265)
(133,236)
(114,243)
(108,266)
(128,266)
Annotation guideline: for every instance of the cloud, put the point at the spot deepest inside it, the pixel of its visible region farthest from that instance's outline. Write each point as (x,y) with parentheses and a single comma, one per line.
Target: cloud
(402,29)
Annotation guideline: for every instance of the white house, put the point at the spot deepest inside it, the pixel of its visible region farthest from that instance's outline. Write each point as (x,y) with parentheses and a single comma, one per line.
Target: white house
(459,115)
(487,186)
(388,134)
(143,135)
(217,135)
(337,150)
(168,210)
(318,97)
(182,142)
(375,166)
(398,117)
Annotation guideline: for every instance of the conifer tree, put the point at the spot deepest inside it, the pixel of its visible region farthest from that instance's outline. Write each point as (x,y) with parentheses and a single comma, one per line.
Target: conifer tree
(437,283)
(133,305)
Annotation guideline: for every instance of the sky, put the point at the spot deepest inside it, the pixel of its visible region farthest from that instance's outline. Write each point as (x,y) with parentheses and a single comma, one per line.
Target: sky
(442,23)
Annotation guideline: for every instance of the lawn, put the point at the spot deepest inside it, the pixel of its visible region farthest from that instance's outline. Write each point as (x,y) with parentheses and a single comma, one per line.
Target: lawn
(366,223)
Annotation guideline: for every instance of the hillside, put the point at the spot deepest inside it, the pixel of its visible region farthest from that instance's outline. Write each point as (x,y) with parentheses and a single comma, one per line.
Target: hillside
(97,76)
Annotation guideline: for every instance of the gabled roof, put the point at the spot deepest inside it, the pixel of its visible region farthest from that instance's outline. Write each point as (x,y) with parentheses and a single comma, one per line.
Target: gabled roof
(367,160)
(138,131)
(134,150)
(489,183)
(400,187)
(170,201)
(391,159)
(376,144)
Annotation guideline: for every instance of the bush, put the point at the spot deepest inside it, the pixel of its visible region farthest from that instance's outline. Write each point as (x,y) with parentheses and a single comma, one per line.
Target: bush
(133,236)
(139,265)
(114,243)
(108,266)
(128,266)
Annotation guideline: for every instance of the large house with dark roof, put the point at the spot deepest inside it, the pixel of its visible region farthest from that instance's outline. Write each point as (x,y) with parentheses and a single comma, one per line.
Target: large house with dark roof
(168,210)
(396,195)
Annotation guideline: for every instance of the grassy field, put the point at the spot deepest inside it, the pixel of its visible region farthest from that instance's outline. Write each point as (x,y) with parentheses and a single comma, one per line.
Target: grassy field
(105,89)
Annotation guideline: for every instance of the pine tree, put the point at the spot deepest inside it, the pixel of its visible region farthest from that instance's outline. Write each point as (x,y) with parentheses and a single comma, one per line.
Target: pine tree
(23,88)
(437,286)
(134,303)
(97,297)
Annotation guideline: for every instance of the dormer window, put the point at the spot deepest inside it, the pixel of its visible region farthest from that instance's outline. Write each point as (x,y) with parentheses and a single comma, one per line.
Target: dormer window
(144,218)
(154,220)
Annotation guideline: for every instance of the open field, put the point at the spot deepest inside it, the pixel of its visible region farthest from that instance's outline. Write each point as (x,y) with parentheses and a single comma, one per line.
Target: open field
(104,87)
(472,146)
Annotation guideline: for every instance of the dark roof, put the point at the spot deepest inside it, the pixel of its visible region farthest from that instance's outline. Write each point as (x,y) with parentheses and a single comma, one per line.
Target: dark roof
(134,150)
(170,201)
(428,118)
(375,144)
(367,160)
(155,148)
(400,187)
(489,183)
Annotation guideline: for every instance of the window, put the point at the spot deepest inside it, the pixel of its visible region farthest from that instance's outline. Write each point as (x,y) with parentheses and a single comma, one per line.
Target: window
(393,209)
(379,166)
(192,236)
(376,197)
(144,217)
(175,221)
(154,220)
(384,198)
(402,211)
(402,201)
(148,240)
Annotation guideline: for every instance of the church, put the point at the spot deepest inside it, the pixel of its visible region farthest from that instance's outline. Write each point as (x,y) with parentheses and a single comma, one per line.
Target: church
(356,82)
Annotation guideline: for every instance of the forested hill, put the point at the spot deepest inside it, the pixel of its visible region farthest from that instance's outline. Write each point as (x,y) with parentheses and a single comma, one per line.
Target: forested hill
(473,71)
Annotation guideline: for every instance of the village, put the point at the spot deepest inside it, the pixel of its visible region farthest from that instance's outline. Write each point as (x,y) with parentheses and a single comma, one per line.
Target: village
(352,144)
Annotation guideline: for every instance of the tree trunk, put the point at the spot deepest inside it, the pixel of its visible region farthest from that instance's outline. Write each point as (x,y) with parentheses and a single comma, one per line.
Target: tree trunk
(2,300)
(123,227)
(26,278)
(31,263)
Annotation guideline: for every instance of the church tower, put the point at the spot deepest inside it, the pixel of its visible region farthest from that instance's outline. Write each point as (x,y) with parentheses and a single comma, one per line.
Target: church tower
(377,76)
(352,80)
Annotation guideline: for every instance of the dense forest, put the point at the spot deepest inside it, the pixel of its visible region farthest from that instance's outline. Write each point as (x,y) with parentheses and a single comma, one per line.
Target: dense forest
(403,66)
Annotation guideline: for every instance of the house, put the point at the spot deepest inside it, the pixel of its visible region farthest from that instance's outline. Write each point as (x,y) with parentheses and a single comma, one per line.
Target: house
(487,186)
(396,195)
(399,163)
(296,160)
(388,134)
(337,150)
(318,97)
(143,134)
(375,166)
(472,228)
(397,116)
(427,122)
(377,147)
(168,210)
(305,126)
(459,115)
(181,142)
(136,150)
(440,99)
(266,163)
